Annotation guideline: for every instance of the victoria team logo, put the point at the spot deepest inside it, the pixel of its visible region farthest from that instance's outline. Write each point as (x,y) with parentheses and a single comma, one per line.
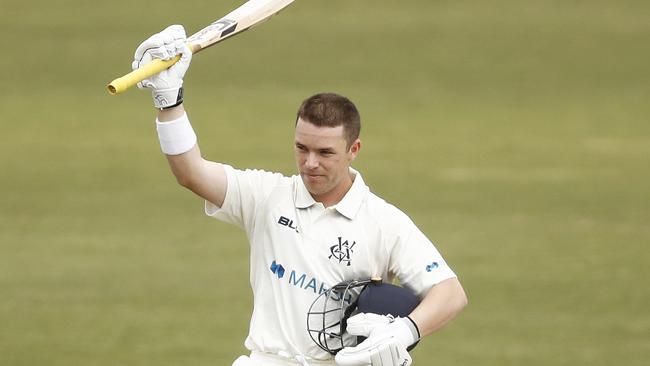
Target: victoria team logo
(342,251)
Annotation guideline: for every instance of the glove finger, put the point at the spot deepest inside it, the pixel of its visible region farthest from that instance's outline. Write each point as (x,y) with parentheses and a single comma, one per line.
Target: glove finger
(362,324)
(152,42)
(182,48)
(379,358)
(168,40)
(142,60)
(186,55)
(159,52)
(375,352)
(136,64)
(168,36)
(176,30)
(244,361)
(357,359)
(172,36)
(146,83)
(361,353)
(398,355)
(391,354)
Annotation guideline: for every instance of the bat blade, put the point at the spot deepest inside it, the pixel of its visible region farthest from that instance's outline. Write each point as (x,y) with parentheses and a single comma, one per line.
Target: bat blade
(248,15)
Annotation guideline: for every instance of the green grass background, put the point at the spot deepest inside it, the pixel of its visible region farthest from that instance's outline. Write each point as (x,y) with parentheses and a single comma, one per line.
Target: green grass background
(515,133)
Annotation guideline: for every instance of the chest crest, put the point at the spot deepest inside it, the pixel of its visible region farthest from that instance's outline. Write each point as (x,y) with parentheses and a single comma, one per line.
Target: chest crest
(342,251)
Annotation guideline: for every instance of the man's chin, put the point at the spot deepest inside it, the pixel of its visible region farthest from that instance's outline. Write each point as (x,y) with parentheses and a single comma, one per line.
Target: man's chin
(314,185)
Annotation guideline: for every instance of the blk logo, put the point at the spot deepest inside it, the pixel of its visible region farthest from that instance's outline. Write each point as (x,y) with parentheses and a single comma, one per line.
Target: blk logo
(288,223)
(342,251)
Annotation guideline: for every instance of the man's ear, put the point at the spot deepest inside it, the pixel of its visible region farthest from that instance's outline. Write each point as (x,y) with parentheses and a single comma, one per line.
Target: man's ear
(354,149)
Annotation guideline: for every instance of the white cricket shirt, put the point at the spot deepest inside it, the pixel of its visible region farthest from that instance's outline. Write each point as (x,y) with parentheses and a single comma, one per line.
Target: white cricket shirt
(299,248)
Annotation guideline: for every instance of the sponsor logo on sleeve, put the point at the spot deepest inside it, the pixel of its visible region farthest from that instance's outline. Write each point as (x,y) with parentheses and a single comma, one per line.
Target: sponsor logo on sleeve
(432,266)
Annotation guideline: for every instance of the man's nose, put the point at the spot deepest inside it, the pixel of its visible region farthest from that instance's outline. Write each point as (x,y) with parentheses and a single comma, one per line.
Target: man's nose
(312,161)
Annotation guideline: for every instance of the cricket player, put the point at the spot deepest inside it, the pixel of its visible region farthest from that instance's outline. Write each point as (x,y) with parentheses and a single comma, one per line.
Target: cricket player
(309,231)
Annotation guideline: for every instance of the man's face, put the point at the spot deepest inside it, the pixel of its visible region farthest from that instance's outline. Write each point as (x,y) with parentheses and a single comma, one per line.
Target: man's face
(324,160)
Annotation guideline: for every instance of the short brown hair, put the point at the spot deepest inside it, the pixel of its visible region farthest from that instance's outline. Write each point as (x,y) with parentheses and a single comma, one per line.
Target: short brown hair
(332,110)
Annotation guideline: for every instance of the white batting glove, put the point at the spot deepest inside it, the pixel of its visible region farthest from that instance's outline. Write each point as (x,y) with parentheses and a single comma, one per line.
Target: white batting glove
(244,361)
(388,339)
(166,86)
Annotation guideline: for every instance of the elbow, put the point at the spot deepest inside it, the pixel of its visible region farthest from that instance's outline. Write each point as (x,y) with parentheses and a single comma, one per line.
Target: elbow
(461,300)
(186,175)
(187,179)
(184,180)
(456,297)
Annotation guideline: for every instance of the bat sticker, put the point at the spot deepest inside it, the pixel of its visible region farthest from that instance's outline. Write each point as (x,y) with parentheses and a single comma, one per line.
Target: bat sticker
(228,24)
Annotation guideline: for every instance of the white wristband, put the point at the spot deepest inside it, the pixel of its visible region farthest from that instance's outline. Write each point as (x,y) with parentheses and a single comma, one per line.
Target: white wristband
(177,136)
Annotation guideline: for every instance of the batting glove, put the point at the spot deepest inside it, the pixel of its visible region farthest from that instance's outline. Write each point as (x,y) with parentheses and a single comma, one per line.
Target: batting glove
(166,86)
(387,342)
(244,361)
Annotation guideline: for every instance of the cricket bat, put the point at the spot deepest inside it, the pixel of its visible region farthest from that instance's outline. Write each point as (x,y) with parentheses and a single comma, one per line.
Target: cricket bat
(251,13)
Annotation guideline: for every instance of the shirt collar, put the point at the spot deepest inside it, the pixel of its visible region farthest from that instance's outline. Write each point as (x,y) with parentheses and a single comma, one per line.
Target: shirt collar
(348,206)
(303,198)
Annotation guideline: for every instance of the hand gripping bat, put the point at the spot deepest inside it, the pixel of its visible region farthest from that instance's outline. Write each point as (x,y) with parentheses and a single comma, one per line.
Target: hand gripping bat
(250,14)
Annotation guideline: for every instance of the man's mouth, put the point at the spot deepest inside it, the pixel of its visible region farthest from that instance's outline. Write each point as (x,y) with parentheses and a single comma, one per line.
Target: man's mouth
(312,176)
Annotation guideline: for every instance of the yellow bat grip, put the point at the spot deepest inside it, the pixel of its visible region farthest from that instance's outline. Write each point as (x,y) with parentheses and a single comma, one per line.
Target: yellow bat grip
(121,84)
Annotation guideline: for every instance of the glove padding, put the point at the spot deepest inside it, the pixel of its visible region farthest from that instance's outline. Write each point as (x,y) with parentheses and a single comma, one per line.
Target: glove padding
(244,361)
(388,339)
(166,86)
(375,352)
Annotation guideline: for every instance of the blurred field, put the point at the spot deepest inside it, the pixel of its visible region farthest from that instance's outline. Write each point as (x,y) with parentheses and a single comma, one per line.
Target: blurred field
(515,133)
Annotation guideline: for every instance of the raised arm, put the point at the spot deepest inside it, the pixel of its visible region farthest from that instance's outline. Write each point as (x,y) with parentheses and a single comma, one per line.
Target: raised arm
(177,138)
(205,178)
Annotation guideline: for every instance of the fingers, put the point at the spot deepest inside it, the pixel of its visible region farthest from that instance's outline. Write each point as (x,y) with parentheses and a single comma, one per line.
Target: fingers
(176,31)
(361,353)
(186,54)
(145,47)
(390,355)
(244,361)
(363,324)
(383,352)
(382,357)
(164,45)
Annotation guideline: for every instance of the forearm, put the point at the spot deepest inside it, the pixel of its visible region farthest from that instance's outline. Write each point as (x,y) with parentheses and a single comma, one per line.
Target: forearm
(388,339)
(205,178)
(182,165)
(440,305)
(166,115)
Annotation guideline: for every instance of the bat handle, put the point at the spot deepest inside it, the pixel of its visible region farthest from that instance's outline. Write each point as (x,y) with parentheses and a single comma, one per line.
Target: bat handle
(121,84)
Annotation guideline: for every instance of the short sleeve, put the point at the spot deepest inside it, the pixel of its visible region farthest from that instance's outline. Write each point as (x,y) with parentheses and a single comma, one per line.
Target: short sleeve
(417,262)
(247,190)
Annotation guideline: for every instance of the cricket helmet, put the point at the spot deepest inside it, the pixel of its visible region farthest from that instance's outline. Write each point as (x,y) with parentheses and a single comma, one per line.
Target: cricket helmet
(328,314)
